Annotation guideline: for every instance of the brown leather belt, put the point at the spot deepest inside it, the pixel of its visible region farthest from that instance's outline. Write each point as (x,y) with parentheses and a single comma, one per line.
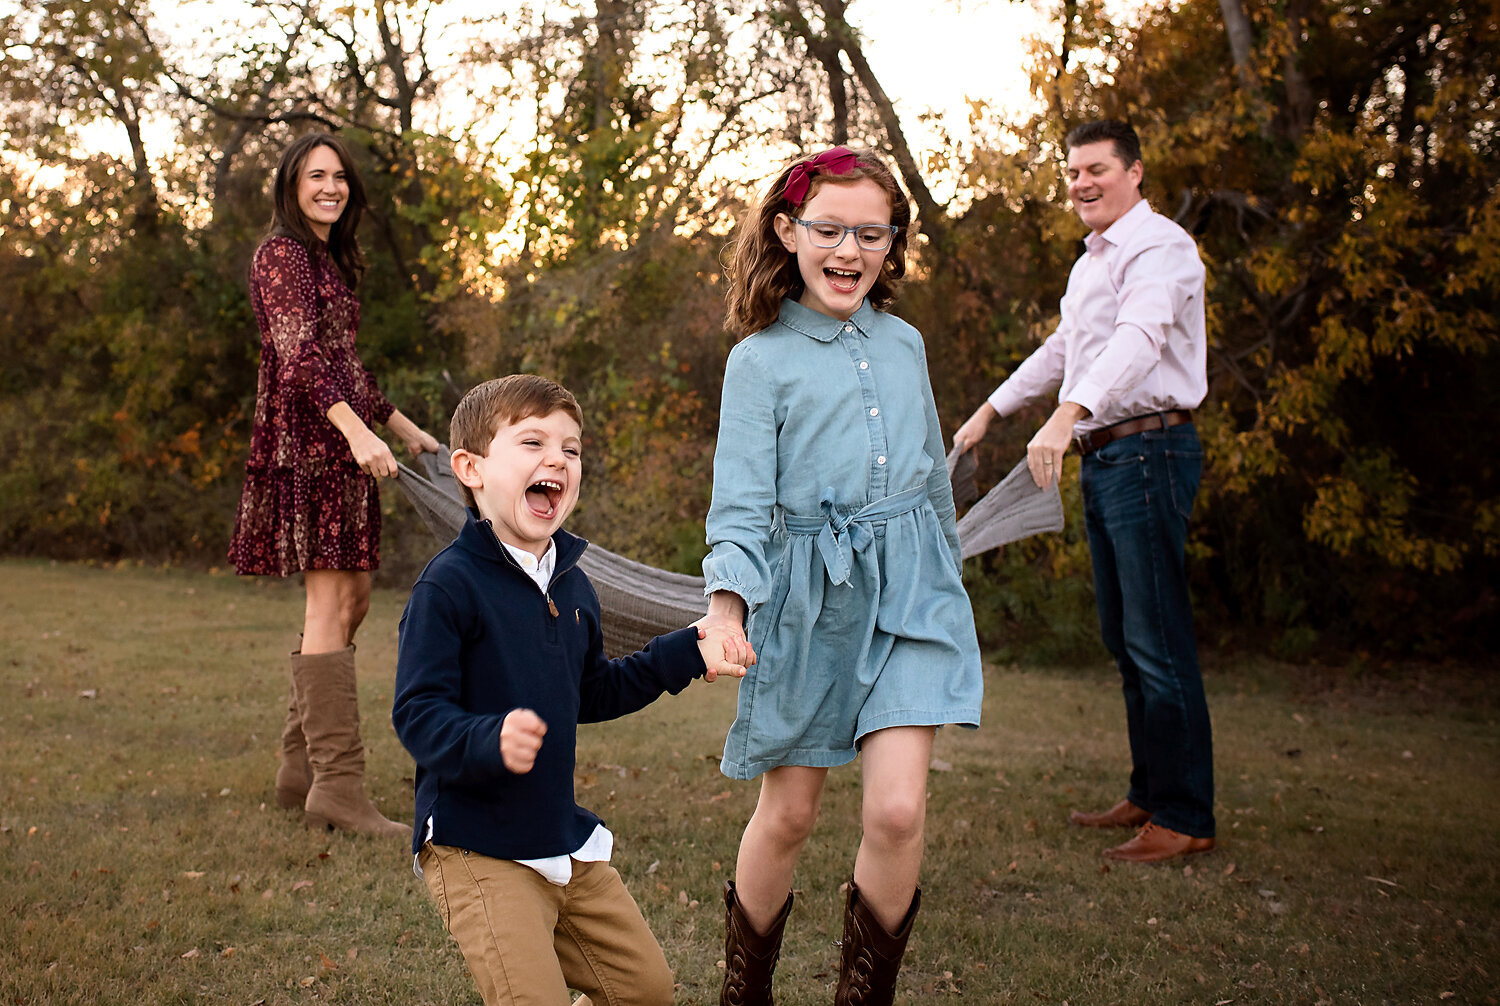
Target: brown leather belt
(1095,439)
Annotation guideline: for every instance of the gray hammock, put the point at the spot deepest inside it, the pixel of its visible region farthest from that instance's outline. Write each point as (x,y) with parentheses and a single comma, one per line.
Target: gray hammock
(640,601)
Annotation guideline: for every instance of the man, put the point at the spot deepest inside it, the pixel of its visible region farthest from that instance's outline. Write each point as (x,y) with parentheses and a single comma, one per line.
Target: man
(1129,358)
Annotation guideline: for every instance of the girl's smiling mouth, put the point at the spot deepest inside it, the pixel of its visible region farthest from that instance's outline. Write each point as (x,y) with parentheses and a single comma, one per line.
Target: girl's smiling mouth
(843,280)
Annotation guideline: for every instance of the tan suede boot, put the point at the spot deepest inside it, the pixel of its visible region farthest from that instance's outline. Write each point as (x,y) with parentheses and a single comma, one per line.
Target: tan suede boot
(294,773)
(329,705)
(871,957)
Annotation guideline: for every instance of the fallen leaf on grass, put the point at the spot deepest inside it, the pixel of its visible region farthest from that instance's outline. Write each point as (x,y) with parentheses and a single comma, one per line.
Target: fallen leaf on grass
(1382,880)
(938,765)
(192,874)
(195,952)
(352,953)
(327,963)
(89,693)
(301,885)
(227,952)
(307,982)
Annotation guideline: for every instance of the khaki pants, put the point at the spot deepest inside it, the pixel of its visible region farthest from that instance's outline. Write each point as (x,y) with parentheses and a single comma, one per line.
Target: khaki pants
(527,941)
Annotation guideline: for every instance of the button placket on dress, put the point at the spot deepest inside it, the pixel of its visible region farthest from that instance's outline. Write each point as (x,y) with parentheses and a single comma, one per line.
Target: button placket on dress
(852,339)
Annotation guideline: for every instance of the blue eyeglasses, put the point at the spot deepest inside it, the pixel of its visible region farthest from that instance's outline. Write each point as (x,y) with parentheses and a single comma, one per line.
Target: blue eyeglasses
(869,237)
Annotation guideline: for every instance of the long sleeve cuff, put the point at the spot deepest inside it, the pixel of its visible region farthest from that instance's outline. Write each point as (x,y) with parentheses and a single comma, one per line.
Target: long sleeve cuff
(1005,401)
(735,573)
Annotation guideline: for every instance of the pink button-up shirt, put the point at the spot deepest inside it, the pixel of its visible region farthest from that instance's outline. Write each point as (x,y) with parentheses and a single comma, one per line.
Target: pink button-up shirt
(1132,338)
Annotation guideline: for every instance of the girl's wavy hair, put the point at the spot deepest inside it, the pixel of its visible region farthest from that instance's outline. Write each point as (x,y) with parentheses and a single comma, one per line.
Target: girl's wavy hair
(761,272)
(288,220)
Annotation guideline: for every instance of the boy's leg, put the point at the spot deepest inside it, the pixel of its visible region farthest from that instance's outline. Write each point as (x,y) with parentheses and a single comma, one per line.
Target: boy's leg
(604,946)
(503,916)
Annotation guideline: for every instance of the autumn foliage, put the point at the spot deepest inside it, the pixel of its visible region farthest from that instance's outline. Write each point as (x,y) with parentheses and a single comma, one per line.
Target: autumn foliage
(1336,161)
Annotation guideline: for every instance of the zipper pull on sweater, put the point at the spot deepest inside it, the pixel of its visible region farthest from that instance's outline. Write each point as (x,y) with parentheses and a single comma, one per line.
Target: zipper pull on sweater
(550,606)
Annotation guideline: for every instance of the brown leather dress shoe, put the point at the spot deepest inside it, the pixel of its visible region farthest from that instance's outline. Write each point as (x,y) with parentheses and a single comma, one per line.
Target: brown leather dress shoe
(1122,815)
(1154,844)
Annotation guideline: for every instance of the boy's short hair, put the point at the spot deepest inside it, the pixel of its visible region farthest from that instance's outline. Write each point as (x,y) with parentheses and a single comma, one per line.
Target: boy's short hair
(502,402)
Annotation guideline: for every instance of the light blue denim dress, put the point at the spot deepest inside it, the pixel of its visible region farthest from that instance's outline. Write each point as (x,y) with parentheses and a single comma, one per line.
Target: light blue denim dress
(833,518)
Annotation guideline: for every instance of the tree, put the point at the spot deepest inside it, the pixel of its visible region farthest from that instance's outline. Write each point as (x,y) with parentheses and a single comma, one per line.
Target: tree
(1341,182)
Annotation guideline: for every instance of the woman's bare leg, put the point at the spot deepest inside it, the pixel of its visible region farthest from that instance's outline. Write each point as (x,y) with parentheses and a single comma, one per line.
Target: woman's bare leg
(337,600)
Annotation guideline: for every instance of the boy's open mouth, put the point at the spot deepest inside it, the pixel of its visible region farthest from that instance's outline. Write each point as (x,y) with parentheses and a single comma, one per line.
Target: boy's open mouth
(842,280)
(542,497)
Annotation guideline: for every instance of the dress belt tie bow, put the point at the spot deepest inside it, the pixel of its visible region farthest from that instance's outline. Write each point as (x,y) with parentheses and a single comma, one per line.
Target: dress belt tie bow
(839,537)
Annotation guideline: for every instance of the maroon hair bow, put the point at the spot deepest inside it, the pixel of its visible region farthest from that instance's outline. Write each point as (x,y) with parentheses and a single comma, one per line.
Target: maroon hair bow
(834,161)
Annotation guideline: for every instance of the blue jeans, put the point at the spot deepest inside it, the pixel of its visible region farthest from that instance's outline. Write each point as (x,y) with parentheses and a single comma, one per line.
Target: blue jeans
(1138,494)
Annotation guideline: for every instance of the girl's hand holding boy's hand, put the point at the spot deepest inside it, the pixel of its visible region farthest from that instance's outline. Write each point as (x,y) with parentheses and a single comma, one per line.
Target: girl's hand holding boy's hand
(724,648)
(521,734)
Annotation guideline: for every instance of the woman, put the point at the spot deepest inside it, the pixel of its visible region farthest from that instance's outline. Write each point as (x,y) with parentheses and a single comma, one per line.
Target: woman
(310,502)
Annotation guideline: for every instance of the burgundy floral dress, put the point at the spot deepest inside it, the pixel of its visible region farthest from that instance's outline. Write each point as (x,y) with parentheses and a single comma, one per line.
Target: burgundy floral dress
(306,504)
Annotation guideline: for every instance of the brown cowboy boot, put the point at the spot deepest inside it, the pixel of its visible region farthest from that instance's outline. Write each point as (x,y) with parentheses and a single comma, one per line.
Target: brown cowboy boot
(749,957)
(872,957)
(294,773)
(329,705)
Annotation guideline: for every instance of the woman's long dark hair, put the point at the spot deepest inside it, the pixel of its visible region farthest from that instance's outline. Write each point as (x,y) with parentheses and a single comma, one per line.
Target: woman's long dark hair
(288,220)
(761,272)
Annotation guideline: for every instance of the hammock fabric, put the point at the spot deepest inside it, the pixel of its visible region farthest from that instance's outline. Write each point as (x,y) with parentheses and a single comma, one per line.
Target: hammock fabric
(639,601)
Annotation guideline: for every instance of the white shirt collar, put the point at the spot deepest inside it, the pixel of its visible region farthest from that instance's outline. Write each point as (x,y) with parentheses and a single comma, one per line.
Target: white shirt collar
(1125,225)
(539,570)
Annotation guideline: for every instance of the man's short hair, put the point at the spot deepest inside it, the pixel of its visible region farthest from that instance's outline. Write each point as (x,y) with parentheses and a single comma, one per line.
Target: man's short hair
(504,401)
(1121,134)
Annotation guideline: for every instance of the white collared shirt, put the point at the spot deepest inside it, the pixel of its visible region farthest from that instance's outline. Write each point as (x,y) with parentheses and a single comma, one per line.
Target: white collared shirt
(1133,336)
(600,844)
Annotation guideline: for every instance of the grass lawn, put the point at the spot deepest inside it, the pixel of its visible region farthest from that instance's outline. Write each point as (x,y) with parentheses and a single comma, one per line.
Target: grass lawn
(143,858)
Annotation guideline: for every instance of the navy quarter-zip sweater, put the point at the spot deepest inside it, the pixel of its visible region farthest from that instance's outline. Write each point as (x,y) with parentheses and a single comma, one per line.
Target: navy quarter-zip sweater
(478,639)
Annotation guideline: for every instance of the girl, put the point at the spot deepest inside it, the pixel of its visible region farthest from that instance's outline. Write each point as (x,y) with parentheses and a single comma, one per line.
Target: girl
(310,504)
(832,532)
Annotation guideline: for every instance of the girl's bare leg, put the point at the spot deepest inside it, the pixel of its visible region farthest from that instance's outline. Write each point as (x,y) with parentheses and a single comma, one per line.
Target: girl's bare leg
(779,828)
(894,774)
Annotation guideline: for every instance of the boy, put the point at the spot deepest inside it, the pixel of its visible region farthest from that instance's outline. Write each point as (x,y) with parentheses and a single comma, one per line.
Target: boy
(501,657)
